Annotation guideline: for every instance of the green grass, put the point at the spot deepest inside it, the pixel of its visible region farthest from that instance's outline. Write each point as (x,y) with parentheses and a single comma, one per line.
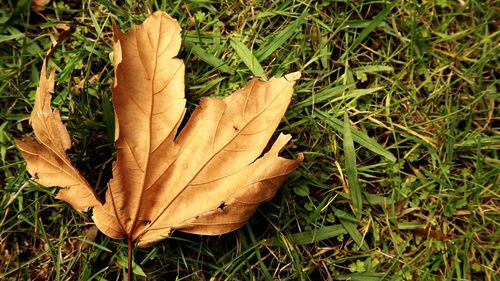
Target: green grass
(398,104)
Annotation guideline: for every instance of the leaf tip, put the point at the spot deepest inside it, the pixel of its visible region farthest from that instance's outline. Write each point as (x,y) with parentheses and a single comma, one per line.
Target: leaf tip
(292,77)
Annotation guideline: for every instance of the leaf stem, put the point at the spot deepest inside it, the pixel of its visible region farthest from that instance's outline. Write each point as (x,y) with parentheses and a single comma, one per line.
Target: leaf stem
(129,258)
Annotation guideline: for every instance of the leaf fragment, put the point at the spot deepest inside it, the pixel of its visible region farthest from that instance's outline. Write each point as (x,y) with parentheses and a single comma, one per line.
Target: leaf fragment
(46,157)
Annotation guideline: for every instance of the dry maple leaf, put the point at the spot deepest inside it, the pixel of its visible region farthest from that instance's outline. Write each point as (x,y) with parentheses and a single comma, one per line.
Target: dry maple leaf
(208,179)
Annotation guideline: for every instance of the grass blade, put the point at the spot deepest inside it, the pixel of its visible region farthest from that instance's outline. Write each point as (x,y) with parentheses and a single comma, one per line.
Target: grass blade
(372,69)
(280,39)
(264,268)
(361,276)
(358,136)
(208,57)
(310,236)
(355,234)
(248,58)
(371,199)
(5,38)
(136,269)
(324,95)
(347,221)
(351,170)
(370,27)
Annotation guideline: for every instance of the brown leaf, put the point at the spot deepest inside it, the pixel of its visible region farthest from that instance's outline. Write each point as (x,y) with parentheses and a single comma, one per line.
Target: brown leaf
(39,5)
(89,235)
(46,159)
(431,233)
(209,178)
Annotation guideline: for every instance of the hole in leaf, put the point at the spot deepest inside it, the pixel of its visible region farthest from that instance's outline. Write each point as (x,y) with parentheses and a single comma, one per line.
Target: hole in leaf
(222,206)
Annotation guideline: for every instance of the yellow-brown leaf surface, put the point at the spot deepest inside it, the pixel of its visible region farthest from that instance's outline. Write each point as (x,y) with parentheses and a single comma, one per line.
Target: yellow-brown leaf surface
(207,179)
(46,158)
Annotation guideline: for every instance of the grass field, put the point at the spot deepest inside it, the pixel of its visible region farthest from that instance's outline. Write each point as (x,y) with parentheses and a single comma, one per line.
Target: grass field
(398,105)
